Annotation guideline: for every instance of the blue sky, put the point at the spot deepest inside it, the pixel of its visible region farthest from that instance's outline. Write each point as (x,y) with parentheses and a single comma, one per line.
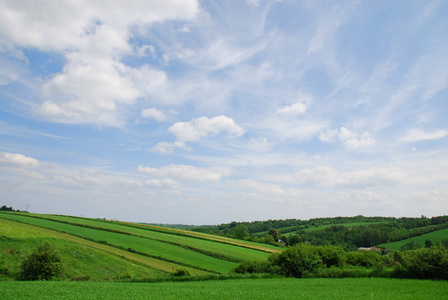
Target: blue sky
(205,112)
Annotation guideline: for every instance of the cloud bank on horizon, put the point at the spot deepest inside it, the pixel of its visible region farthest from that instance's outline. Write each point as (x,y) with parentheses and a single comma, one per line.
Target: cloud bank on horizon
(204,112)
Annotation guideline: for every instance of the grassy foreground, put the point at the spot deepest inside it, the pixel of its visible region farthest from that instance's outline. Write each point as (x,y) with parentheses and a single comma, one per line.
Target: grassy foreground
(348,288)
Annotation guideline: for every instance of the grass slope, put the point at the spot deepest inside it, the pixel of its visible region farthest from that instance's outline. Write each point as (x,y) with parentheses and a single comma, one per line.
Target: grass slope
(148,250)
(82,259)
(432,236)
(352,288)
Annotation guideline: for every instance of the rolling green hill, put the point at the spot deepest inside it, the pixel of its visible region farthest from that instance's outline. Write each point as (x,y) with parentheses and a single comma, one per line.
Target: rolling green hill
(98,249)
(434,237)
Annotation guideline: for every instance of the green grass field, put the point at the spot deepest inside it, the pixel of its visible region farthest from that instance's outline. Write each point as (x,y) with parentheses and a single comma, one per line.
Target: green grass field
(232,251)
(353,288)
(432,236)
(81,258)
(120,250)
(128,227)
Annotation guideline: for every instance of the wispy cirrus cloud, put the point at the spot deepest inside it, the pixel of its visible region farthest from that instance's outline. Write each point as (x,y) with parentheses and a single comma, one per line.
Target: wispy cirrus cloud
(416,135)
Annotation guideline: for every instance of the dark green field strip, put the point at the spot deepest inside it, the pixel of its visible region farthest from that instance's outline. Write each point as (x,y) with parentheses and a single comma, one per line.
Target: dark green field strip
(136,244)
(224,251)
(20,234)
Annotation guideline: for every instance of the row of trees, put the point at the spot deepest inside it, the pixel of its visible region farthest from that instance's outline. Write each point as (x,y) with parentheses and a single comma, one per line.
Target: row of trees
(304,260)
(260,228)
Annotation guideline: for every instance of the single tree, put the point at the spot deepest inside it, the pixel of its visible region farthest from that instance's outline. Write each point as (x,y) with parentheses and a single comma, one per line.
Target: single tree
(295,239)
(274,233)
(241,232)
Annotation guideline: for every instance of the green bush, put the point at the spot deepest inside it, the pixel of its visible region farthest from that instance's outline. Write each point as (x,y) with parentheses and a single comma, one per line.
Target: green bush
(363,258)
(43,263)
(410,246)
(426,263)
(297,261)
(4,270)
(181,272)
(332,256)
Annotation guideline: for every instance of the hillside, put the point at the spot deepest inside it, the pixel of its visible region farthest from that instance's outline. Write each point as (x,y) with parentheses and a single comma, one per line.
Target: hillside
(100,249)
(347,232)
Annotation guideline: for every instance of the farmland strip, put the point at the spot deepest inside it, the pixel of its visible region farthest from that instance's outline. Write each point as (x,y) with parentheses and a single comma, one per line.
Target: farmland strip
(159,257)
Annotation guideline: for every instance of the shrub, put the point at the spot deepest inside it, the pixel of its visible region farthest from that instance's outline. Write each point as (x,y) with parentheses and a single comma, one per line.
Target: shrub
(426,263)
(43,263)
(412,245)
(332,256)
(4,270)
(363,258)
(297,261)
(181,272)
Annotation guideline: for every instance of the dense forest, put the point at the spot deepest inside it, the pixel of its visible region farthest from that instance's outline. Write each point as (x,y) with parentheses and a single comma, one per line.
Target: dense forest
(347,232)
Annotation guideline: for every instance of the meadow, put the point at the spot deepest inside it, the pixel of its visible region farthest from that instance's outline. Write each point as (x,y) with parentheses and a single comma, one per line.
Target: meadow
(434,237)
(94,249)
(278,288)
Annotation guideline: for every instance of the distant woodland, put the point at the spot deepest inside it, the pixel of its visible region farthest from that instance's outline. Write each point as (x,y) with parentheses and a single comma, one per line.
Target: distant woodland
(6,208)
(349,233)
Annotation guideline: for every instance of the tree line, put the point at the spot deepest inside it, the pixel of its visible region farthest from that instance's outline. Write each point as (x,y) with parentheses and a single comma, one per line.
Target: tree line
(292,231)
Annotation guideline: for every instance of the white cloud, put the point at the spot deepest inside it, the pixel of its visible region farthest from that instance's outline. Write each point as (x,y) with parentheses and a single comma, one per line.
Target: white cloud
(20,160)
(162,183)
(93,39)
(416,135)
(144,49)
(167,148)
(350,139)
(186,173)
(294,109)
(328,136)
(360,141)
(298,108)
(259,144)
(203,127)
(153,113)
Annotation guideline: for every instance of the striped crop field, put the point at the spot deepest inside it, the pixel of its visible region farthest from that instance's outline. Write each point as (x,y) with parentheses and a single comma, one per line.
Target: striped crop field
(156,249)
